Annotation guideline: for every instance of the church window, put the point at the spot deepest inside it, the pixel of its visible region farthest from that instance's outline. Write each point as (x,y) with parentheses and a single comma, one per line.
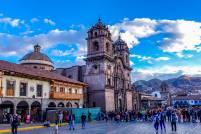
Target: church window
(95,46)
(95,34)
(95,67)
(127,58)
(107,47)
(109,81)
(35,66)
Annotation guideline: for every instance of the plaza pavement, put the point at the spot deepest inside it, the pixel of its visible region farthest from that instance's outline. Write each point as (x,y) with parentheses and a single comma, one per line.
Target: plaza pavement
(120,128)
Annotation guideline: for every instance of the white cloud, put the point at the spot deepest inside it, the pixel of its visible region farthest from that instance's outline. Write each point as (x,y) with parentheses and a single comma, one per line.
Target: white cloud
(149,59)
(133,30)
(50,22)
(61,53)
(24,44)
(165,72)
(178,35)
(12,22)
(33,20)
(162,59)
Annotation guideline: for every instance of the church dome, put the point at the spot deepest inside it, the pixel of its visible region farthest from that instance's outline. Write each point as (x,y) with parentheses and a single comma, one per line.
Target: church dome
(37,59)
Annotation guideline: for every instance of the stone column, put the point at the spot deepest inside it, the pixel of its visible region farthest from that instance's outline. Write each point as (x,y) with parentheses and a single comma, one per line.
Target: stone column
(14,109)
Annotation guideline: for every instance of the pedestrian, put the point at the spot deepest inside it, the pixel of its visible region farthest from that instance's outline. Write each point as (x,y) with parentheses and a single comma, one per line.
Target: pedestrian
(156,122)
(72,121)
(174,121)
(89,116)
(83,119)
(14,124)
(60,116)
(56,129)
(162,121)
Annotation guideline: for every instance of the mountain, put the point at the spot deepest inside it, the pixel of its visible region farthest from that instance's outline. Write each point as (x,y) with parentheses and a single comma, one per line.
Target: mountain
(184,82)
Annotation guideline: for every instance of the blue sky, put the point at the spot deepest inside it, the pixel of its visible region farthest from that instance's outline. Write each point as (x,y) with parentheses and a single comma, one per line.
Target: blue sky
(163,36)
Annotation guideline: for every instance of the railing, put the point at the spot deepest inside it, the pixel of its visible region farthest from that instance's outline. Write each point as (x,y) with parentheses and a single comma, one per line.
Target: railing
(65,96)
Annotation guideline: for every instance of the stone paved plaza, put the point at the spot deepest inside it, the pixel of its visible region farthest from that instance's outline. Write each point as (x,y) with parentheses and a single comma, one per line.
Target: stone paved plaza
(121,128)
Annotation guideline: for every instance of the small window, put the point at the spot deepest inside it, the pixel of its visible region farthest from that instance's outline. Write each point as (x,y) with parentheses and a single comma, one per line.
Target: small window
(109,81)
(39,90)
(23,89)
(95,46)
(76,91)
(62,89)
(107,47)
(95,34)
(35,67)
(70,90)
(95,67)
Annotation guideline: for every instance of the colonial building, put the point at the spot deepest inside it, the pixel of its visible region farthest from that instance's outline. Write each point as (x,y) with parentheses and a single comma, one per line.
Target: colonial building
(28,88)
(107,71)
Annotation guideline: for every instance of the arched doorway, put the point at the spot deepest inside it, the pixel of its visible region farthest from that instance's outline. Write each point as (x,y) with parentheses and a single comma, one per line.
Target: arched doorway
(6,109)
(51,104)
(36,111)
(69,105)
(23,110)
(76,105)
(61,104)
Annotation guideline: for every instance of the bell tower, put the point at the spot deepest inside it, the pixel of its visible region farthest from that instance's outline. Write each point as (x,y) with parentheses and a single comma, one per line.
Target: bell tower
(99,67)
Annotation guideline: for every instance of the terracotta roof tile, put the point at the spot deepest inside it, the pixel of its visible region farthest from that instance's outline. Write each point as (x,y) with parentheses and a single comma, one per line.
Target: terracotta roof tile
(17,68)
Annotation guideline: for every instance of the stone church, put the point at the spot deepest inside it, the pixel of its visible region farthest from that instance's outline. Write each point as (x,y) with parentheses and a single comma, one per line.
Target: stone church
(107,71)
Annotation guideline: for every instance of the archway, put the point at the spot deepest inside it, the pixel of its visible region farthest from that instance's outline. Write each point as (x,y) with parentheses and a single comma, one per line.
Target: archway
(61,104)
(51,104)
(69,105)
(76,105)
(6,108)
(23,110)
(36,111)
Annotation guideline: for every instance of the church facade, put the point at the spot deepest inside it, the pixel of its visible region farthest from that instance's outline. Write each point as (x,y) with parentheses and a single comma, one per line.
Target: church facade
(107,71)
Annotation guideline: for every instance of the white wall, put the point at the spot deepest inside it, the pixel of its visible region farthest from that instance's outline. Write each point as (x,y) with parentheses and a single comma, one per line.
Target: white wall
(30,83)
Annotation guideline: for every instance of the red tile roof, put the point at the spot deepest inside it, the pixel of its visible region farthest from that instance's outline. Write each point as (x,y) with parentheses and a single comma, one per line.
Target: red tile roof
(17,68)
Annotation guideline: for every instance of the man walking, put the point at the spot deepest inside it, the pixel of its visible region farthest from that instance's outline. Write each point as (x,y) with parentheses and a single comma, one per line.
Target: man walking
(83,119)
(14,124)
(72,121)
(174,121)
(162,121)
(156,122)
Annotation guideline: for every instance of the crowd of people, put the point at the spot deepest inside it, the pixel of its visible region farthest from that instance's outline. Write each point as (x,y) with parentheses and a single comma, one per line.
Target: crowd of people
(159,117)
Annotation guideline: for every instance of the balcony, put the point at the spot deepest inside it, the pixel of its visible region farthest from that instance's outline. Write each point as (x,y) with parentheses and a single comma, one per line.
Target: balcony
(65,96)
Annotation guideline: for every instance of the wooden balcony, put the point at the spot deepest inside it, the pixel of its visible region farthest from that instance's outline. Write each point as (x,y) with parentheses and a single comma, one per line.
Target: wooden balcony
(65,96)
